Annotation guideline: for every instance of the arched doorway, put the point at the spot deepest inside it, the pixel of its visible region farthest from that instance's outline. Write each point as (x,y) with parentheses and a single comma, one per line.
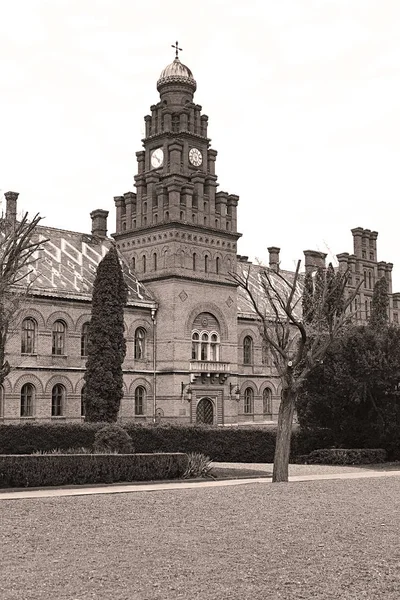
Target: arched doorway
(205,412)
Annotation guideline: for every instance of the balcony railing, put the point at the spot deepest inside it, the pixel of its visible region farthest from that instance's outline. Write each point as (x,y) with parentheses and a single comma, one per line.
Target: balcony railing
(209,366)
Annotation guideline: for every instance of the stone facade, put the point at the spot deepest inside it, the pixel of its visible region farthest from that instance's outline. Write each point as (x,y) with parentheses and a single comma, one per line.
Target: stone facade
(194,351)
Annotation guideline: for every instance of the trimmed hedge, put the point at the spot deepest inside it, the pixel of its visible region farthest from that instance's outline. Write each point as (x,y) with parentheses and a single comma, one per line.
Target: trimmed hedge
(344,456)
(227,444)
(76,469)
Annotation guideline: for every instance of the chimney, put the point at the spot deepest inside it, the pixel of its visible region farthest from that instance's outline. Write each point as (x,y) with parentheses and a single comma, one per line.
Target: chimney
(11,207)
(274,258)
(99,222)
(313,260)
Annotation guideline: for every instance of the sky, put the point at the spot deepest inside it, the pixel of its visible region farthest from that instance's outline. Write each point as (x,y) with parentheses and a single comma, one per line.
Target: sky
(302,96)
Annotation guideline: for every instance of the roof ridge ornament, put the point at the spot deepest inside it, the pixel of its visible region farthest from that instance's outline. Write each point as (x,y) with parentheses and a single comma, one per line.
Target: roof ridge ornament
(177,49)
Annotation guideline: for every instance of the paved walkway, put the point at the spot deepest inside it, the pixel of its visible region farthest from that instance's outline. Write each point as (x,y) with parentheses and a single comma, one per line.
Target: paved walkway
(345,473)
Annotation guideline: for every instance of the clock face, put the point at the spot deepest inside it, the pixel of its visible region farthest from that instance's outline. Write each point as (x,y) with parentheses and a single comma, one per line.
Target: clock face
(157,158)
(195,157)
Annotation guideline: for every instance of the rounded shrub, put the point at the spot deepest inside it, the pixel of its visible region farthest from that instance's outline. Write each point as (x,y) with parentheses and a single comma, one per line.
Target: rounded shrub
(113,438)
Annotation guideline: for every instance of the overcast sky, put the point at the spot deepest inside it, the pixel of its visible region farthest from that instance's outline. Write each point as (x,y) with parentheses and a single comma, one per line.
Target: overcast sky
(303,101)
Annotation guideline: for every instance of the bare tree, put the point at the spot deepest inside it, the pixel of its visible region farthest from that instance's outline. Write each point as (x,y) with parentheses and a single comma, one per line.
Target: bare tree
(296,345)
(19,245)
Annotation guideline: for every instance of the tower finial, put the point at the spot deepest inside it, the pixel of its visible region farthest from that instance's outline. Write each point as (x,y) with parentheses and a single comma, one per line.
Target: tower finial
(176,49)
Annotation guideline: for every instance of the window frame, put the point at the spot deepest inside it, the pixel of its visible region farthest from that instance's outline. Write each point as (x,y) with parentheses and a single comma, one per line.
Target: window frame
(58,400)
(28,342)
(58,338)
(267,401)
(139,401)
(139,351)
(85,339)
(248,350)
(27,400)
(248,401)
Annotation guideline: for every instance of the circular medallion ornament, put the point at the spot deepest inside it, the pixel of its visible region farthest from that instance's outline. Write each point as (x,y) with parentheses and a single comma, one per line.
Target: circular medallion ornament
(204,322)
(195,157)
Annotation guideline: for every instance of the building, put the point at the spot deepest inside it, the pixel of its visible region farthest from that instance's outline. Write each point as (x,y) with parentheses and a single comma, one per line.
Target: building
(194,351)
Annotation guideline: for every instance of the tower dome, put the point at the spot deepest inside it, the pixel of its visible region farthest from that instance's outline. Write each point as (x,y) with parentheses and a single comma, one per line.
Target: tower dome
(178,73)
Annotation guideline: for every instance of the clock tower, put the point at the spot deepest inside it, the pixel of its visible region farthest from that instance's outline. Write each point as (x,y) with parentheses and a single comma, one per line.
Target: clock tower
(180,234)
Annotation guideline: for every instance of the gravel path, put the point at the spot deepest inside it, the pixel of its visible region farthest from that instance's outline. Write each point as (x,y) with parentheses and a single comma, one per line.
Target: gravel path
(323,540)
(308,469)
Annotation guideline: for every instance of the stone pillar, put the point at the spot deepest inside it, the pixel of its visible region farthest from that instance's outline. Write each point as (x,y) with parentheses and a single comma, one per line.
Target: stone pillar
(374,237)
(153,119)
(381,269)
(167,121)
(130,205)
(212,156)
(221,201)
(274,258)
(389,268)
(140,160)
(140,187)
(147,121)
(357,241)
(151,180)
(204,125)
(99,222)
(313,260)
(211,187)
(183,122)
(175,156)
(198,182)
(162,200)
(119,203)
(233,200)
(174,200)
(11,207)
(197,125)
(187,191)
(343,259)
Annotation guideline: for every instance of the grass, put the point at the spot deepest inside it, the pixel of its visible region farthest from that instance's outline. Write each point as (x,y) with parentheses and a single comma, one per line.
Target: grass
(321,540)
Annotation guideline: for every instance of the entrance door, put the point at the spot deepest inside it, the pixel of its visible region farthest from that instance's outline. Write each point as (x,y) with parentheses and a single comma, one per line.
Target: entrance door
(205,412)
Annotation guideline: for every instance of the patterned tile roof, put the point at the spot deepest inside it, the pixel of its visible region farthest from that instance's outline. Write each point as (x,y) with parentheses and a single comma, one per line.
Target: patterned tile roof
(245,307)
(66,266)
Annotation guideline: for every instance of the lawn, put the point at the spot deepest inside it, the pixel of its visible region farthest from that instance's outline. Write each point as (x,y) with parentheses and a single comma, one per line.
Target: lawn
(310,540)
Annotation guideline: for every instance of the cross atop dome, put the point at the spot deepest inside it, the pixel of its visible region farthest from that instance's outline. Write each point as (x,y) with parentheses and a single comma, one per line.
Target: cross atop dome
(177,49)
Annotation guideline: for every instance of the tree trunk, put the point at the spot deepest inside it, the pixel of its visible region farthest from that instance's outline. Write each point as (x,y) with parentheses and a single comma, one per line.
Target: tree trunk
(283,436)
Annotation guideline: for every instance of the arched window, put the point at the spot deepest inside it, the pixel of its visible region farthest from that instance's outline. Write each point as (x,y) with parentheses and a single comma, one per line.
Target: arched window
(248,400)
(83,407)
(206,263)
(28,337)
(140,394)
(27,399)
(155,261)
(214,347)
(1,402)
(166,216)
(156,218)
(144,221)
(216,223)
(204,347)
(194,261)
(133,263)
(84,339)
(265,354)
(181,215)
(140,338)
(205,220)
(144,263)
(195,346)
(58,394)
(267,402)
(248,350)
(370,280)
(217,264)
(58,338)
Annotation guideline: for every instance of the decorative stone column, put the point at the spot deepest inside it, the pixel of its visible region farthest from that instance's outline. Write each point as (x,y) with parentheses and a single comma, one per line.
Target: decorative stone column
(147,121)
(357,241)
(140,160)
(212,157)
(174,200)
(198,182)
(119,202)
(175,156)
(99,222)
(130,205)
(204,125)
(233,200)
(11,207)
(274,258)
(221,201)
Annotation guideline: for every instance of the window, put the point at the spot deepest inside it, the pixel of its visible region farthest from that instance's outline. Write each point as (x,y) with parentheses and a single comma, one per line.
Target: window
(248,350)
(371,256)
(267,402)
(83,407)
(205,346)
(265,354)
(27,398)
(217,261)
(133,263)
(364,254)
(1,402)
(248,400)
(370,280)
(194,261)
(28,338)
(181,215)
(144,263)
(195,346)
(395,317)
(58,400)
(84,339)
(206,264)
(155,261)
(140,394)
(58,338)
(365,279)
(140,337)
